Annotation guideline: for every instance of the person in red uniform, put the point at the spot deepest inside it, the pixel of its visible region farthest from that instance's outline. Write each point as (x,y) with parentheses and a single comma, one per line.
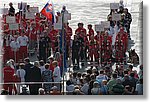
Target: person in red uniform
(90,32)
(8,73)
(119,46)
(93,49)
(53,36)
(68,30)
(80,29)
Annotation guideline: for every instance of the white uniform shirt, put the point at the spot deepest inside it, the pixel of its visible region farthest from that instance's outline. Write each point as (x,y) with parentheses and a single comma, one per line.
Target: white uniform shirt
(21,74)
(23,40)
(14,45)
(56,74)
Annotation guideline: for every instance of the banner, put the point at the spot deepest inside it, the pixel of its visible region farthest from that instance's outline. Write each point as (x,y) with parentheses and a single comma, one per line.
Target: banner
(116,17)
(4,11)
(114,5)
(24,5)
(30,15)
(105,24)
(99,28)
(10,19)
(34,9)
(58,26)
(14,26)
(67,16)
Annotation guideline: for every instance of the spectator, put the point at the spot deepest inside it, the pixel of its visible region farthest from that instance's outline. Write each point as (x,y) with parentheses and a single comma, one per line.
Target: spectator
(47,77)
(69,86)
(112,82)
(85,87)
(139,87)
(56,75)
(11,11)
(36,77)
(41,91)
(55,91)
(42,67)
(101,77)
(96,89)
(118,88)
(104,88)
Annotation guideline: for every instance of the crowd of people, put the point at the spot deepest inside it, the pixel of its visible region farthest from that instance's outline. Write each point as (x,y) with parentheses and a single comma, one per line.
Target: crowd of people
(39,37)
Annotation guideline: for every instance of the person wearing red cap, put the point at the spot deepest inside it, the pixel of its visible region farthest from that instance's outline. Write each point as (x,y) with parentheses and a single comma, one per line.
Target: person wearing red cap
(8,73)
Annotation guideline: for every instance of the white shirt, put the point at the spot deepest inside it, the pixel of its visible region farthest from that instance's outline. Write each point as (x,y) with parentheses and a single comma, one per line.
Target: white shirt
(56,74)
(9,38)
(21,73)
(42,69)
(14,45)
(23,40)
(85,88)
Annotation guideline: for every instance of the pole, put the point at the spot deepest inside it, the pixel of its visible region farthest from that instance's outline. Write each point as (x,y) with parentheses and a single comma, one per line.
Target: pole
(63,49)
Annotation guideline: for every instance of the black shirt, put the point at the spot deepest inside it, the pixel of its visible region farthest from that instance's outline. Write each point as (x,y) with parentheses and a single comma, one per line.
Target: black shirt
(11,11)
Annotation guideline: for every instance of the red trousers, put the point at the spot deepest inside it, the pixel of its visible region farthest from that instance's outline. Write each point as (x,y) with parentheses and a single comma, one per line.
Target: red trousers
(23,53)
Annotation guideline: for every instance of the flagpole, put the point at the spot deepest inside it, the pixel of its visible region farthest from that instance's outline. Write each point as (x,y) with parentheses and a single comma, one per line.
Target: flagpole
(63,64)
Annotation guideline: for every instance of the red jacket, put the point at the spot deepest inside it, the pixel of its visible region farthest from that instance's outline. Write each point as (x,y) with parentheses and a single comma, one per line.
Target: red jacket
(8,74)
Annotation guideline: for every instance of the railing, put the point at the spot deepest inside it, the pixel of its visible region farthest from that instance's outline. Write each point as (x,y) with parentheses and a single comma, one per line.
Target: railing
(18,86)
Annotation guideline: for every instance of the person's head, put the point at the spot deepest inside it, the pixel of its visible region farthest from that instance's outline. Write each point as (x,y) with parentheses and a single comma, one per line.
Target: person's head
(104,82)
(122,16)
(41,63)
(109,18)
(126,77)
(24,89)
(8,63)
(114,75)
(26,60)
(132,74)
(90,26)
(54,88)
(21,65)
(74,74)
(79,75)
(4,92)
(96,84)
(36,63)
(57,56)
(64,7)
(46,66)
(130,67)
(58,13)
(93,77)
(121,8)
(28,7)
(55,63)
(89,71)
(51,59)
(101,71)
(125,71)
(125,11)
(118,81)
(41,91)
(10,4)
(68,83)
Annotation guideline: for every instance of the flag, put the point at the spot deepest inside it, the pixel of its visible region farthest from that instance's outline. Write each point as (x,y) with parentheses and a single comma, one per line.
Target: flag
(48,11)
